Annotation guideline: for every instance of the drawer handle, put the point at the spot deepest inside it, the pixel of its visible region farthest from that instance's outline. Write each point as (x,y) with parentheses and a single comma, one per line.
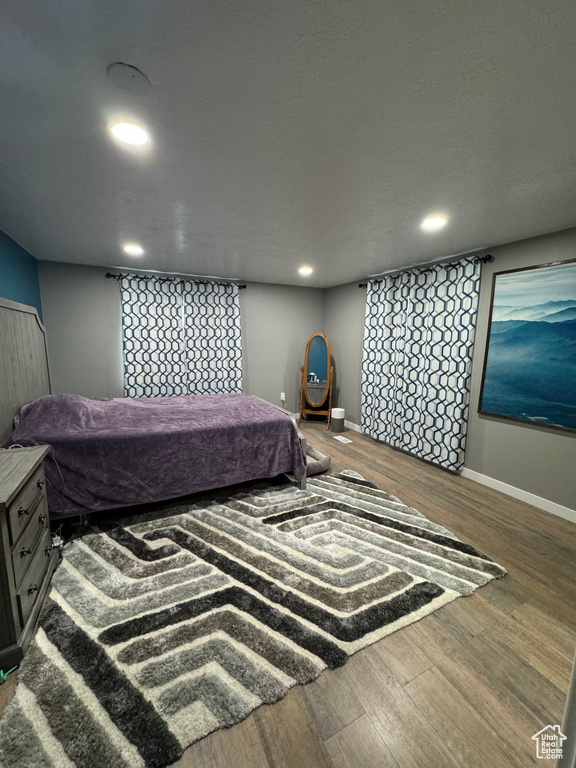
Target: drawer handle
(40,484)
(41,519)
(23,511)
(32,589)
(25,551)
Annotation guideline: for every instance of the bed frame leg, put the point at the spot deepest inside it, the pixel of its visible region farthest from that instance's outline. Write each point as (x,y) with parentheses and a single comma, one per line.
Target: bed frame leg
(304,444)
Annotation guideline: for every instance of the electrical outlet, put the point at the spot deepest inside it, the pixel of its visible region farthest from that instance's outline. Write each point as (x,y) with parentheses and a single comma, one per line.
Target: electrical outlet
(282,396)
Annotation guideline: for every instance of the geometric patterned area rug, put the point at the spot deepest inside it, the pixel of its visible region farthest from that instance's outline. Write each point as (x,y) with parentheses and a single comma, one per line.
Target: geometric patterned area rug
(163,627)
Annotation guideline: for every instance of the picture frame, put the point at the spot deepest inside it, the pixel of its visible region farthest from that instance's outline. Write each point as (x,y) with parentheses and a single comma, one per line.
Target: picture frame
(529,372)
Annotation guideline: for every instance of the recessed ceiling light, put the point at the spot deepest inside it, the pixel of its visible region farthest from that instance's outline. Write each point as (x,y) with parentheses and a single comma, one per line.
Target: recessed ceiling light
(129,133)
(433,223)
(305,271)
(133,249)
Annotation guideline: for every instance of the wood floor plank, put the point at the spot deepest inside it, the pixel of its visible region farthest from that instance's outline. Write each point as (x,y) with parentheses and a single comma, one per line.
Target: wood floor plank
(525,682)
(330,702)
(533,641)
(534,619)
(396,718)
(192,757)
(358,745)
(288,737)
(552,600)
(464,618)
(402,656)
(238,747)
(512,719)
(505,594)
(470,740)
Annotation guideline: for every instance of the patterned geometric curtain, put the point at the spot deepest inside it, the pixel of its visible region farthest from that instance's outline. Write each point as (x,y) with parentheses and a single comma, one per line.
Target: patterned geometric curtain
(212,336)
(179,337)
(152,339)
(418,342)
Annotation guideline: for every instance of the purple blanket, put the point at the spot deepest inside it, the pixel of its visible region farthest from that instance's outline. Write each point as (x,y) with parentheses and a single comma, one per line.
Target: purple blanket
(124,451)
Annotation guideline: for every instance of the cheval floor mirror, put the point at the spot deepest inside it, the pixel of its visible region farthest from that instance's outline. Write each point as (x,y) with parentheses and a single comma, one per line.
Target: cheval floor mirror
(316,379)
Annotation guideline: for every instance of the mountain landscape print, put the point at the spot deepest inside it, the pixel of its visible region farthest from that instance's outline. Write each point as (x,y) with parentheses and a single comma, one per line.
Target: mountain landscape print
(530,370)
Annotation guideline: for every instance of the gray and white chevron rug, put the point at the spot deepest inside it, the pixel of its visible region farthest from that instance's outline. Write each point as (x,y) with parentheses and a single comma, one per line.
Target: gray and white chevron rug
(161,628)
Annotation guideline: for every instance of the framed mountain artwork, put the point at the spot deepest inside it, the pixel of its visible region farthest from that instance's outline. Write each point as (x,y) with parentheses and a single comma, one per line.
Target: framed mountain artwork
(530,364)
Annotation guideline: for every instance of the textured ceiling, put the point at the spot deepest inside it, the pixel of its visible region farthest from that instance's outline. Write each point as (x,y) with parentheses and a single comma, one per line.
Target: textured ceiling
(286,133)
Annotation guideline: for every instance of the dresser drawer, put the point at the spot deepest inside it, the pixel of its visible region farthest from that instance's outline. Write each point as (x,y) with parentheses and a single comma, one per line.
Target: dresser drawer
(25,548)
(24,505)
(32,582)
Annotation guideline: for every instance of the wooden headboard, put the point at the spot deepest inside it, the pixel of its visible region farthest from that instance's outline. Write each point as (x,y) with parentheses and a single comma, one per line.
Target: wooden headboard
(24,374)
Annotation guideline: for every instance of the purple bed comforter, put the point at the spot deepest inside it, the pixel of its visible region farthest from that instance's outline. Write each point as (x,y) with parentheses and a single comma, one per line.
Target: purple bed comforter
(124,451)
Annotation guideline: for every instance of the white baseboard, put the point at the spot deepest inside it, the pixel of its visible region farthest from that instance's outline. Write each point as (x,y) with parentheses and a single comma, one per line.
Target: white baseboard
(518,493)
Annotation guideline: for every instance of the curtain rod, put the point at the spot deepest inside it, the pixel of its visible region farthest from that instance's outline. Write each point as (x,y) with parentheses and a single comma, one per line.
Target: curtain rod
(477,260)
(117,275)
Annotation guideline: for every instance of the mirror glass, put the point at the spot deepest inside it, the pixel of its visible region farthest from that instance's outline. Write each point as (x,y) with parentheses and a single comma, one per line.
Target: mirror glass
(317,370)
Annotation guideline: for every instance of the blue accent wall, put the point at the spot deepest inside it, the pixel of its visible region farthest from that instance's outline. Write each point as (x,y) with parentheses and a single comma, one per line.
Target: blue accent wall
(18,274)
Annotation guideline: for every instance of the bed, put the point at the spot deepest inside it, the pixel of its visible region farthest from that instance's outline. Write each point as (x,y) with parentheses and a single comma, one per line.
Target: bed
(126,451)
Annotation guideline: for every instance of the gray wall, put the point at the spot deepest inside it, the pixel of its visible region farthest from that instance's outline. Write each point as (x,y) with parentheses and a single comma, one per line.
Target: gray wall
(277,321)
(82,319)
(83,326)
(345,307)
(538,460)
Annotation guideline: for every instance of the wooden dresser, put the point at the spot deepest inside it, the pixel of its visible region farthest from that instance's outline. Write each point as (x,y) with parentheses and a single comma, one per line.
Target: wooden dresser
(27,558)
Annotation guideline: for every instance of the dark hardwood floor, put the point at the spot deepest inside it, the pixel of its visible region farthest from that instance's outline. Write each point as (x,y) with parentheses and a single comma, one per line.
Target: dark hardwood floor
(467,686)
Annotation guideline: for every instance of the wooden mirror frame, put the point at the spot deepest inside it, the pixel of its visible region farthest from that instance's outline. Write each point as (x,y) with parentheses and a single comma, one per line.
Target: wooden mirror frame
(315,409)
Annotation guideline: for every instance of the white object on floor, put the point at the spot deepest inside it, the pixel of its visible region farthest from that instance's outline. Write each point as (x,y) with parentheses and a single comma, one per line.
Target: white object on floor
(342,439)
(337,419)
